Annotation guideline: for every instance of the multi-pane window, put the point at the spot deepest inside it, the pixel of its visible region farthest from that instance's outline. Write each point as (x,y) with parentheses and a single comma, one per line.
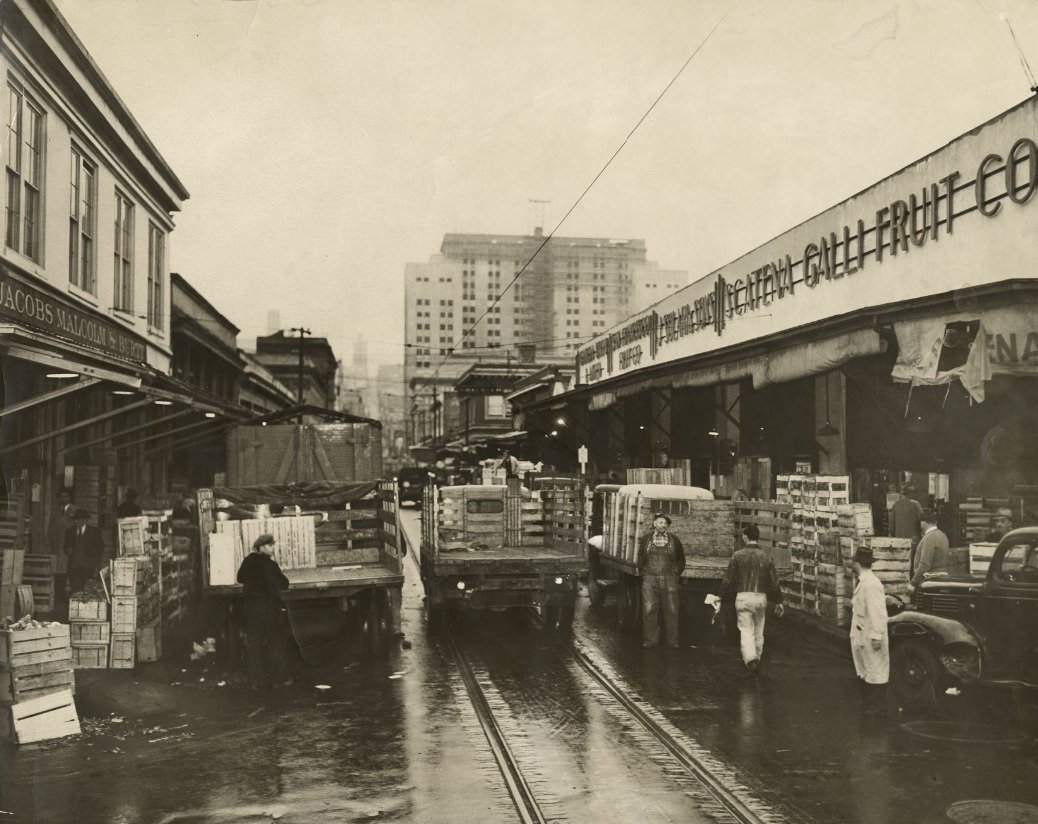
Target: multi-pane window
(123,253)
(24,173)
(156,276)
(82,271)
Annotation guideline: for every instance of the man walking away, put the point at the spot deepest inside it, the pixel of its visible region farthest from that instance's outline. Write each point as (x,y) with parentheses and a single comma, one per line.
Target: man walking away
(905,517)
(60,521)
(870,647)
(660,564)
(751,577)
(266,619)
(932,556)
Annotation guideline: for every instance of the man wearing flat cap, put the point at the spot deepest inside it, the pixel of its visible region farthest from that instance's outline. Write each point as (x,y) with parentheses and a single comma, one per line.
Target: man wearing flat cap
(660,564)
(870,646)
(266,619)
(1000,524)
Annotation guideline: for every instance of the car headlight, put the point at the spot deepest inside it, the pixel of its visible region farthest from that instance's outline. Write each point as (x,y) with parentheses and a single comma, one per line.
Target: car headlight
(558,580)
(405,484)
(460,585)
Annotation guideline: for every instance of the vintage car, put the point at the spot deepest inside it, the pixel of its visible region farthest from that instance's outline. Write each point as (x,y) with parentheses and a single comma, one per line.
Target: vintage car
(411,480)
(969,630)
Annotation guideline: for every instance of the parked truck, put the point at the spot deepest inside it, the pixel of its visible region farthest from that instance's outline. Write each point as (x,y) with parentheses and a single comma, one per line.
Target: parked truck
(500,546)
(622,516)
(339,544)
(971,630)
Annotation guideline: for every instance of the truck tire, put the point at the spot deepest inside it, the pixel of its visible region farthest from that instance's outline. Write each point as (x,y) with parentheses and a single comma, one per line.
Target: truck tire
(628,601)
(915,674)
(550,616)
(566,613)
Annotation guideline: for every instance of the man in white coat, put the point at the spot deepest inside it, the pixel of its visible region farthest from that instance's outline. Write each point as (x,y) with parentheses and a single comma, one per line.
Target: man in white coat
(870,647)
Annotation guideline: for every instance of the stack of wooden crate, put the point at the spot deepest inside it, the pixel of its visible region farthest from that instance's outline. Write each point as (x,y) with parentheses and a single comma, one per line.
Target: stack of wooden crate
(817,584)
(36,684)
(774,521)
(891,560)
(38,573)
(976,516)
(90,632)
(124,613)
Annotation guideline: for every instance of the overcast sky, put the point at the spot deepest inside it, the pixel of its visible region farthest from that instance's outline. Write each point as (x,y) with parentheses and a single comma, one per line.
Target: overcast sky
(327,143)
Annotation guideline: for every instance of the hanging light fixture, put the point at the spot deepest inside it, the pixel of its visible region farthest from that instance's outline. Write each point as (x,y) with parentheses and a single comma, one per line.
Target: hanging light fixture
(827,428)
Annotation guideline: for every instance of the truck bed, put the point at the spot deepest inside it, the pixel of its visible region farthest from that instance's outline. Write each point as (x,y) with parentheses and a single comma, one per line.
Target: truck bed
(505,560)
(321,581)
(699,569)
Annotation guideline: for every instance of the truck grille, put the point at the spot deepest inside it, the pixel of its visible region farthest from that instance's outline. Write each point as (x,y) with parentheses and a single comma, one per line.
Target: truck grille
(940,604)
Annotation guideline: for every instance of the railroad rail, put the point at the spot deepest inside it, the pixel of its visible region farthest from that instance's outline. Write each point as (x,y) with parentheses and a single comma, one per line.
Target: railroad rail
(730,802)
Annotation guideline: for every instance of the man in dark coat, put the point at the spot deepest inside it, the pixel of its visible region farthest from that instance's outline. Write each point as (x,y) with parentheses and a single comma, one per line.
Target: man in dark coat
(266,619)
(84,550)
(660,564)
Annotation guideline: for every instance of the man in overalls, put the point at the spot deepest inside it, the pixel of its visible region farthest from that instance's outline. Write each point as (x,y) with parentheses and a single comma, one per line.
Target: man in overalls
(660,564)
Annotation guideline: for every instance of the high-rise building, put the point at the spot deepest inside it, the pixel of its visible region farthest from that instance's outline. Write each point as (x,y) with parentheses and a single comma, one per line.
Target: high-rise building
(462,305)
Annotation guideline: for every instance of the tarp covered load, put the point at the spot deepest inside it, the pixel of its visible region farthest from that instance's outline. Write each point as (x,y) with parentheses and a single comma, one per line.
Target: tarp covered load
(314,495)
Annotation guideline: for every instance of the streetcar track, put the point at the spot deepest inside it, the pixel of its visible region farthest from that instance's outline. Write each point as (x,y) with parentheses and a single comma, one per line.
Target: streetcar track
(519,789)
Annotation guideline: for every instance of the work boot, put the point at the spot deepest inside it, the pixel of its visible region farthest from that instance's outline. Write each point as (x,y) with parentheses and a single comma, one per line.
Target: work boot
(752,668)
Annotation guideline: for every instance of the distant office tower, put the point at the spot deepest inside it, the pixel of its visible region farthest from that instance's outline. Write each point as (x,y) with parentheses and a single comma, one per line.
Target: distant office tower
(573,289)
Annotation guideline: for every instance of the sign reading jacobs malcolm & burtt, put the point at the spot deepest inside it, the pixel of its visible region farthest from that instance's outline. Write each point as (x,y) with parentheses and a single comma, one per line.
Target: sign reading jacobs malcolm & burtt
(831,264)
(31,307)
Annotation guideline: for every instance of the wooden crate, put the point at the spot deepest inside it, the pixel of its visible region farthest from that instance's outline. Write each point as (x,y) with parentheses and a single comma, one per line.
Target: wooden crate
(94,632)
(11,569)
(123,650)
(124,576)
(33,646)
(133,536)
(95,610)
(40,719)
(149,643)
(38,573)
(124,614)
(89,656)
(33,680)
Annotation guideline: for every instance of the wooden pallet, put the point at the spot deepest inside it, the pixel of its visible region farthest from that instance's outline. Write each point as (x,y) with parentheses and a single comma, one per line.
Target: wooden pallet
(40,719)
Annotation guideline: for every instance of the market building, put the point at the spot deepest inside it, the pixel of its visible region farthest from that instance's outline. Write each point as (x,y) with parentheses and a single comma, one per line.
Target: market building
(85,335)
(304,363)
(892,338)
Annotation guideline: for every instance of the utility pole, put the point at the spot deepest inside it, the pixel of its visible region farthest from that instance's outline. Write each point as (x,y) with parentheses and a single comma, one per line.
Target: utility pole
(301,332)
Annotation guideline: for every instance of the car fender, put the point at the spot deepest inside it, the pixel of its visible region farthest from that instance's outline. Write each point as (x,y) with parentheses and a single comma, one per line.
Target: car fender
(939,629)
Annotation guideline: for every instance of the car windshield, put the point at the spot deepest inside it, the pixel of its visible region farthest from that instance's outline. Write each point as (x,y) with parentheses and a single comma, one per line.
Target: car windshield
(1019,563)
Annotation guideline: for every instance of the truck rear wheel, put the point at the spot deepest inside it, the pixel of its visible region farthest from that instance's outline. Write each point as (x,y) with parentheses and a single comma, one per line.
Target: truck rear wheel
(915,674)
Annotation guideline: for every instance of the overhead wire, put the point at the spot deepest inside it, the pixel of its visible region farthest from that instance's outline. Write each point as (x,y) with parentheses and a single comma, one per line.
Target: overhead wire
(587,189)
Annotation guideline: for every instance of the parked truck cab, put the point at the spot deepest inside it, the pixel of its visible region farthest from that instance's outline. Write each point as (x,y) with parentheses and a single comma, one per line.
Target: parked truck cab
(971,630)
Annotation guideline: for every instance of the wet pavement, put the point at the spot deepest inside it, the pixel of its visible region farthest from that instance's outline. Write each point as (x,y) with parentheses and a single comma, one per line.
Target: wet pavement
(393,737)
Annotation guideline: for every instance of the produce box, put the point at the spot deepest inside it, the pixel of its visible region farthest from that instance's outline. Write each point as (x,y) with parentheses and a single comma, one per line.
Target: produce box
(124,576)
(90,631)
(149,643)
(980,557)
(33,646)
(90,656)
(28,681)
(124,614)
(92,610)
(123,650)
(40,719)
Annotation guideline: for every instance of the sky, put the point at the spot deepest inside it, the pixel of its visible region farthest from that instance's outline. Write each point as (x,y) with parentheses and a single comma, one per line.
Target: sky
(327,143)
